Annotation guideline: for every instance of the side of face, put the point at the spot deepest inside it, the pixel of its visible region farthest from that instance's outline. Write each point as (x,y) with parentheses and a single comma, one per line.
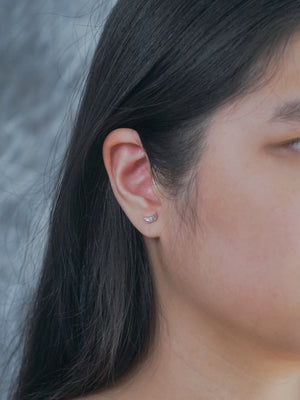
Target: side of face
(243,265)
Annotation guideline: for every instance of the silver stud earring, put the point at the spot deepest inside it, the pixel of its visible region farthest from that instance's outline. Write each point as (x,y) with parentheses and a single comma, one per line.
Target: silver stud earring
(151,219)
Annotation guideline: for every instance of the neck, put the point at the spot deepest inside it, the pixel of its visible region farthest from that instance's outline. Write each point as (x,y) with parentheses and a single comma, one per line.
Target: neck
(198,358)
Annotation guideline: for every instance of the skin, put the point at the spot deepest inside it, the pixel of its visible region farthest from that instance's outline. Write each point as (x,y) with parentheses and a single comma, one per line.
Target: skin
(229,292)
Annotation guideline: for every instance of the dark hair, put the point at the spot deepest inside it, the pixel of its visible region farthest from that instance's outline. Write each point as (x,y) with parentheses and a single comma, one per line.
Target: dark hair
(162,68)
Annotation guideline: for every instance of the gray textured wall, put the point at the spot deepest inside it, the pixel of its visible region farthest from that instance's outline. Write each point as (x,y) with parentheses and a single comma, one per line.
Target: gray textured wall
(45,49)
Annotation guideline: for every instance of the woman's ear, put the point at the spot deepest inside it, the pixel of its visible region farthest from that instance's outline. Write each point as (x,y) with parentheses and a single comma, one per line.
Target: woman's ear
(128,168)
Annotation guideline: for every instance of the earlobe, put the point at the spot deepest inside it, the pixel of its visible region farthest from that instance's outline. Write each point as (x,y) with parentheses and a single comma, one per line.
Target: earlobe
(129,172)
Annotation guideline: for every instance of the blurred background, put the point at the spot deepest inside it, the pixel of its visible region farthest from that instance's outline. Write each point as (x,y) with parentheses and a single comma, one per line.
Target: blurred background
(45,50)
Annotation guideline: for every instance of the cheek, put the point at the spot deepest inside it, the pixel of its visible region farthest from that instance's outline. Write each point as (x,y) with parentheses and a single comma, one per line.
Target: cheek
(244,265)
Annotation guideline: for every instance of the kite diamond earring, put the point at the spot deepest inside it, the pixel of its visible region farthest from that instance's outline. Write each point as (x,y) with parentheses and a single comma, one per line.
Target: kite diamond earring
(151,219)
